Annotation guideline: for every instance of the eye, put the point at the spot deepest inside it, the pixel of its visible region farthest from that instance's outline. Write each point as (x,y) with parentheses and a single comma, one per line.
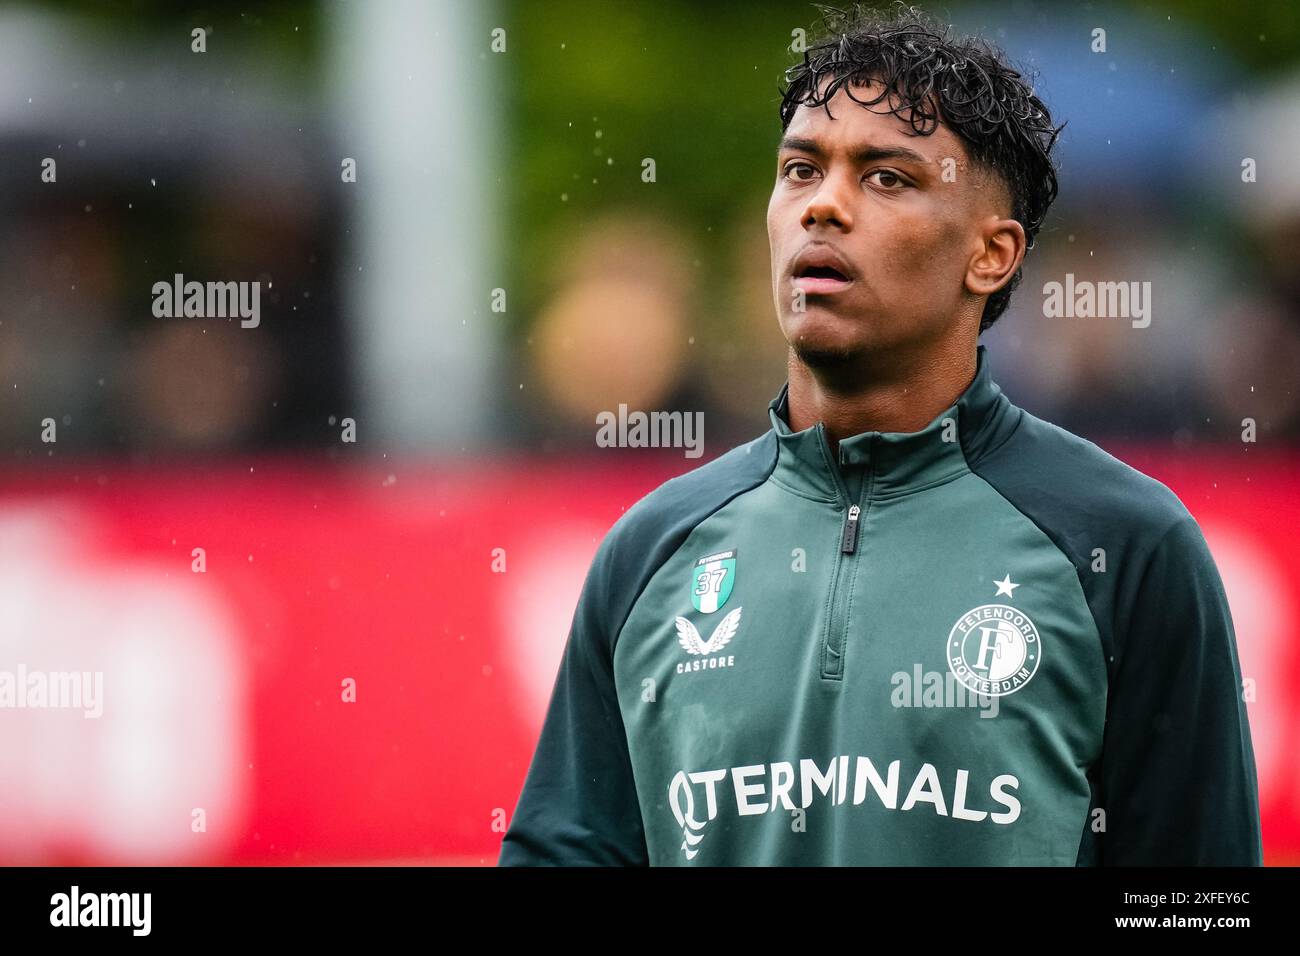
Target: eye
(790,168)
(891,179)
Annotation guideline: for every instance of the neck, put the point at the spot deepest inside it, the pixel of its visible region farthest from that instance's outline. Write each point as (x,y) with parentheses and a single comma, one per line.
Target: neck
(884,392)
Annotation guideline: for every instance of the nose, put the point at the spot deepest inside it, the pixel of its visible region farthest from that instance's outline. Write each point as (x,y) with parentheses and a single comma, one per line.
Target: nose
(828,206)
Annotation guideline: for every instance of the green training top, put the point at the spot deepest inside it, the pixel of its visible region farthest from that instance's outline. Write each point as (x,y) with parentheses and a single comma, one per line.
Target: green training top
(986,642)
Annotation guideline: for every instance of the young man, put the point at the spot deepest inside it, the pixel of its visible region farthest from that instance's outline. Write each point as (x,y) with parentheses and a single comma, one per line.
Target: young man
(911,624)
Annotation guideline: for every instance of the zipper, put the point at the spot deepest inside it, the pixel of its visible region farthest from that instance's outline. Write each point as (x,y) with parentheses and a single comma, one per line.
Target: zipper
(837,622)
(849,537)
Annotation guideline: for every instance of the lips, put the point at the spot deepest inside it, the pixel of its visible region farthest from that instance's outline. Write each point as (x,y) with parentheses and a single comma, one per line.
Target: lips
(821,270)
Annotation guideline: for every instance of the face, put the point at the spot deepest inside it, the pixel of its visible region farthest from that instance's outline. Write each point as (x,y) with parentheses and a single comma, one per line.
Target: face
(881,239)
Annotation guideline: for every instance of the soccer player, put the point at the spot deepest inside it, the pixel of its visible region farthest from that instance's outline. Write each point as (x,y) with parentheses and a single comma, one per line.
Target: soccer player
(911,624)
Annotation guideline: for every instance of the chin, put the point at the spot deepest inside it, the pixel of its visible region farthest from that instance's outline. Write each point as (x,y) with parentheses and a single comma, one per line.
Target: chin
(827,351)
(820,343)
(829,357)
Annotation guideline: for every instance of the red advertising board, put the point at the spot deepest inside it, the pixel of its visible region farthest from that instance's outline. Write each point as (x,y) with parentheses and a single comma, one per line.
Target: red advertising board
(319,664)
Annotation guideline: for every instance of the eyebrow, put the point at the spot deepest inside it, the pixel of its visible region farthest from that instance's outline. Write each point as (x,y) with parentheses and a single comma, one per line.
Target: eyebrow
(862,154)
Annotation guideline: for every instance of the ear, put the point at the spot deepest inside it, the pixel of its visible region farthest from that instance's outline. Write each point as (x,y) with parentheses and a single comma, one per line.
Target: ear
(1001,250)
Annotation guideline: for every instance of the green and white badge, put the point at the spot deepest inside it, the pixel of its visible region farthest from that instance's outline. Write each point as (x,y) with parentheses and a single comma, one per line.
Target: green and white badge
(712,579)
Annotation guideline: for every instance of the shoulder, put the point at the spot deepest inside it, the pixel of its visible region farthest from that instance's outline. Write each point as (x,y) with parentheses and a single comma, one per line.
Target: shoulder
(679,504)
(1078,493)
(1133,544)
(695,495)
(649,532)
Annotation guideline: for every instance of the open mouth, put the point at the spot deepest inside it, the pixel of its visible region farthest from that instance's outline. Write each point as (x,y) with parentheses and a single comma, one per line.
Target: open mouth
(821,280)
(821,272)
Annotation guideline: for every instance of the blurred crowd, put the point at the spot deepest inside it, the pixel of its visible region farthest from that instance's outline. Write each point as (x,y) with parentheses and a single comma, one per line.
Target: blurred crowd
(655,295)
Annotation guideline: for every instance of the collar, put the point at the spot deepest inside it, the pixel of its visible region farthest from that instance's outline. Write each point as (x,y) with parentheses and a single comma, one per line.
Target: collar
(895,463)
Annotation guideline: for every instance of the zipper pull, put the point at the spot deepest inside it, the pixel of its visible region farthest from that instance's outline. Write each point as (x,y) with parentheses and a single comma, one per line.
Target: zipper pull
(849,540)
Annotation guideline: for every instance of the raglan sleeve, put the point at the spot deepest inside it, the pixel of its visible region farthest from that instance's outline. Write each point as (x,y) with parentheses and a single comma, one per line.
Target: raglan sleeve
(1178,766)
(579,804)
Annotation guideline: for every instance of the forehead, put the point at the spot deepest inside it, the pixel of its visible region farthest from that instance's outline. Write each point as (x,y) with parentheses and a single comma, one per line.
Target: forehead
(851,124)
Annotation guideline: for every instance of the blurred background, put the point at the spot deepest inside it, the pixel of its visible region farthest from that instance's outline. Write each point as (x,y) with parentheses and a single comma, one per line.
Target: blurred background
(390,487)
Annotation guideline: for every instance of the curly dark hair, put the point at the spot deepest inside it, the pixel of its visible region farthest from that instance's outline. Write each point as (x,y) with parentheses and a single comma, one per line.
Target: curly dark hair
(929,76)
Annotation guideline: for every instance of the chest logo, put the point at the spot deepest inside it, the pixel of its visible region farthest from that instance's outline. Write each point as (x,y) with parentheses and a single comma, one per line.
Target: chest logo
(994,649)
(693,643)
(712,580)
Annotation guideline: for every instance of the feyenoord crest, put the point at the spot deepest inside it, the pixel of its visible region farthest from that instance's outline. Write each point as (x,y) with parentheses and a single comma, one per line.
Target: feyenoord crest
(712,579)
(994,650)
